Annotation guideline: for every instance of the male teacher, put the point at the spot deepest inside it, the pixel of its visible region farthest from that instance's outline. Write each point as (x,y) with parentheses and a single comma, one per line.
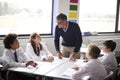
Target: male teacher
(71,38)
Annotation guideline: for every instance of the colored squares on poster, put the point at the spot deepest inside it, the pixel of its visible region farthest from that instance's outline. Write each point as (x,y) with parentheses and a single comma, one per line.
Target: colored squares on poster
(73,7)
(72,15)
(74,1)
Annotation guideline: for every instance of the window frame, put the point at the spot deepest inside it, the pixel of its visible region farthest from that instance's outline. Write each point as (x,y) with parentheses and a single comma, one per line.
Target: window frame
(117,17)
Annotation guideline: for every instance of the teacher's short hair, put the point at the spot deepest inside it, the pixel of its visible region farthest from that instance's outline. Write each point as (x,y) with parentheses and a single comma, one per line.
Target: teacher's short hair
(62,16)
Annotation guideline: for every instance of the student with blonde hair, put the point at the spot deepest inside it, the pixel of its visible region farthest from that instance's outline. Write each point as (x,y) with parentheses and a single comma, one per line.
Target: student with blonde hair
(36,50)
(93,68)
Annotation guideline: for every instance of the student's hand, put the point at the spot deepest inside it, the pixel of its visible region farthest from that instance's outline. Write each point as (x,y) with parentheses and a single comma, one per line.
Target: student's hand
(76,68)
(34,64)
(59,54)
(29,63)
(72,57)
(50,58)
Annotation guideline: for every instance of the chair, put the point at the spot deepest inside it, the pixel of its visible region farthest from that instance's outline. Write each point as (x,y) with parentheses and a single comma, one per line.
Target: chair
(3,71)
(118,59)
(109,77)
(115,75)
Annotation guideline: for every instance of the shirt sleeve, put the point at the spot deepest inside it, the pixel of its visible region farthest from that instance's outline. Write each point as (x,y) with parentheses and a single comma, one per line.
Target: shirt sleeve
(109,62)
(56,39)
(45,49)
(2,60)
(10,60)
(78,36)
(81,73)
(25,58)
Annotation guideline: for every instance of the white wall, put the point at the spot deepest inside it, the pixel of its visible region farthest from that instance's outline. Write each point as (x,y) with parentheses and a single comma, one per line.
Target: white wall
(49,41)
(63,6)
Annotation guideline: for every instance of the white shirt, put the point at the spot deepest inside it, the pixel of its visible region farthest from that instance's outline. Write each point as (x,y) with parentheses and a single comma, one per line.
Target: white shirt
(44,53)
(9,57)
(109,61)
(1,60)
(93,68)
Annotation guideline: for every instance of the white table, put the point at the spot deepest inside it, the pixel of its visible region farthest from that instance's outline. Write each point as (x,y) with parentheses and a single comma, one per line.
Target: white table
(58,72)
(45,67)
(29,69)
(53,69)
(42,68)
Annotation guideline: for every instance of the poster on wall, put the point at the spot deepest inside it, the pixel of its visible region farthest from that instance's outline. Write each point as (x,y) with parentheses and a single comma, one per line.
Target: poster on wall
(74,1)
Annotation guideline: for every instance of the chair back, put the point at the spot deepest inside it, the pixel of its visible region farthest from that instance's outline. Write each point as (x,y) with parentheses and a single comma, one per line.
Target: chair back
(115,75)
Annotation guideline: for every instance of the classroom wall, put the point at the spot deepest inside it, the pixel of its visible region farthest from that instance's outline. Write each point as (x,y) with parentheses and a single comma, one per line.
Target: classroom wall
(46,40)
(49,41)
(64,7)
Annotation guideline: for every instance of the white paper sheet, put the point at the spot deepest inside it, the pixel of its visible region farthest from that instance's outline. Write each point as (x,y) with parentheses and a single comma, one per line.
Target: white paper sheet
(69,72)
(28,69)
(1,65)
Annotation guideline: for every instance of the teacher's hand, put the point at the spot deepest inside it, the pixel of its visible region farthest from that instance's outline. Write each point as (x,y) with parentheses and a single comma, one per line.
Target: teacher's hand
(59,54)
(72,57)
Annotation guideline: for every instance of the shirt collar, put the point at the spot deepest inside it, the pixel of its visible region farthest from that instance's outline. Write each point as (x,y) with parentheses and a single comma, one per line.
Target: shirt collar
(91,60)
(66,27)
(12,50)
(108,53)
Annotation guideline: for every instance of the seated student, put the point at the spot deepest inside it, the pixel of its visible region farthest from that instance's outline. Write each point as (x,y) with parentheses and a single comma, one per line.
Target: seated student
(36,50)
(93,68)
(15,56)
(108,59)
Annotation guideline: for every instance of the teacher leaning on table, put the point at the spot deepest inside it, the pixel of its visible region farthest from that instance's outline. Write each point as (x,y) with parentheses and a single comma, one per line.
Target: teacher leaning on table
(71,38)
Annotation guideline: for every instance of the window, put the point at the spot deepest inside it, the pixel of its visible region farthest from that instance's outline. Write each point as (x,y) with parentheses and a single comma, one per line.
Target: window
(119,18)
(25,16)
(97,15)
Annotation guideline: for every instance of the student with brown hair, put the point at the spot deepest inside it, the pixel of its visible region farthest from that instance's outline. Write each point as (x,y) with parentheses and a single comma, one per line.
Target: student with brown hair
(108,59)
(36,50)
